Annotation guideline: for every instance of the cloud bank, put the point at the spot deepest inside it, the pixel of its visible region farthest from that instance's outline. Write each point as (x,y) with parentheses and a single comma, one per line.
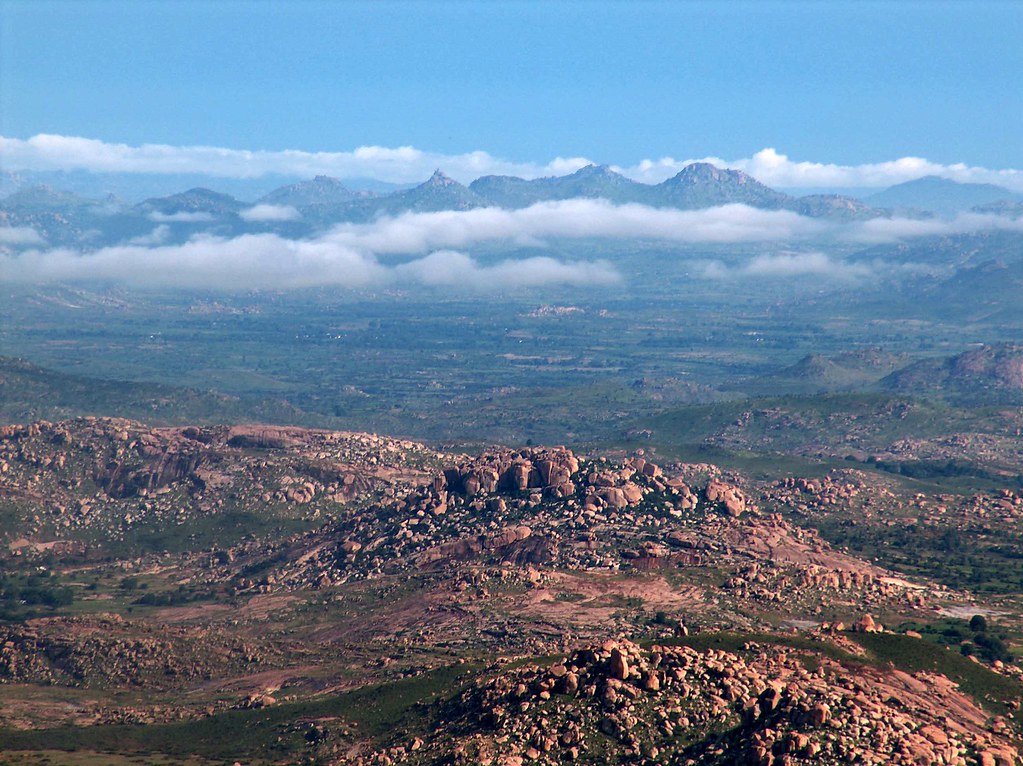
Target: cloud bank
(778,170)
(575,218)
(428,248)
(20,236)
(269,261)
(788,265)
(270,213)
(182,217)
(403,164)
(406,164)
(884,230)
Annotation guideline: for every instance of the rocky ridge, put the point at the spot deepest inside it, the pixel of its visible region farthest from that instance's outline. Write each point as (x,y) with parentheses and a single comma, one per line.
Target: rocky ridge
(117,474)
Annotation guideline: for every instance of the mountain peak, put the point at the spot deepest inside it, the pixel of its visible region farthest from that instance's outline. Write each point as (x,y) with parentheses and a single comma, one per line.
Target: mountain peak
(321,190)
(439,178)
(701,184)
(702,172)
(595,170)
(197,199)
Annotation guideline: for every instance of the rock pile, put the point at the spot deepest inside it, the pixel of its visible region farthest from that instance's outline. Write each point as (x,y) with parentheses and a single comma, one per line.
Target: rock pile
(105,651)
(526,507)
(616,703)
(109,474)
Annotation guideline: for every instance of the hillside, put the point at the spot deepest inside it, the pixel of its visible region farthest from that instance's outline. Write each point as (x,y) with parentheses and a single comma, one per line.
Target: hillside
(940,195)
(207,590)
(29,392)
(992,373)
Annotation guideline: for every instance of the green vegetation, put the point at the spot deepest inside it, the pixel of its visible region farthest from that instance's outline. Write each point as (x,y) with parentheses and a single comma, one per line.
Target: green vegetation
(374,712)
(992,691)
(28,594)
(730,641)
(970,557)
(973,638)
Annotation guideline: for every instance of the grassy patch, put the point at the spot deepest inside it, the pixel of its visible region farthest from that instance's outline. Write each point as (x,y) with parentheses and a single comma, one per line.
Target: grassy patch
(92,758)
(373,712)
(734,642)
(991,690)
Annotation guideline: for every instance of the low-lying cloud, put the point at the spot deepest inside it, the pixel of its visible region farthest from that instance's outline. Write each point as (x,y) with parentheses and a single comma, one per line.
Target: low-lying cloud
(588,218)
(451,268)
(883,230)
(789,265)
(270,213)
(157,236)
(267,261)
(20,236)
(180,217)
(429,248)
(406,164)
(576,218)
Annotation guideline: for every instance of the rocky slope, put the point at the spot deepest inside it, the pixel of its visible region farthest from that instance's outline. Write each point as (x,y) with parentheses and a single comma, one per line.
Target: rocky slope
(595,608)
(619,703)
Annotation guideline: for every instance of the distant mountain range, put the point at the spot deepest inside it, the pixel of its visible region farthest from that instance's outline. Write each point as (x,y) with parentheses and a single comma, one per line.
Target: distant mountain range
(942,196)
(697,186)
(986,375)
(66,218)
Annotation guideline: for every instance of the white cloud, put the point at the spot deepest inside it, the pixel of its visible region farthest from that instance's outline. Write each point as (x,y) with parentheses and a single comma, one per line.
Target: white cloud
(455,269)
(182,217)
(20,236)
(156,237)
(798,264)
(407,164)
(267,261)
(403,164)
(421,232)
(270,213)
(812,268)
(370,254)
(775,169)
(882,230)
(251,261)
(788,265)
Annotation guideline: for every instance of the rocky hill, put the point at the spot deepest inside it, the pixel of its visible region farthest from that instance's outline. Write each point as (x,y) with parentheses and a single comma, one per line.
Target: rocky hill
(590,182)
(618,702)
(703,185)
(192,202)
(992,373)
(321,190)
(312,596)
(814,373)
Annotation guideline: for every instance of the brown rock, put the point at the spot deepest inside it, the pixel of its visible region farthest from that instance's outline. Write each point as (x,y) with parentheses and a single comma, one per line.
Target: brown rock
(934,735)
(865,624)
(618,666)
(569,683)
(819,714)
(730,497)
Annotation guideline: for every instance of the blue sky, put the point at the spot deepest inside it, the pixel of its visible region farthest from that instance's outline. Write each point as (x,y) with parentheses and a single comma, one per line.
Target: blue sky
(846,83)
